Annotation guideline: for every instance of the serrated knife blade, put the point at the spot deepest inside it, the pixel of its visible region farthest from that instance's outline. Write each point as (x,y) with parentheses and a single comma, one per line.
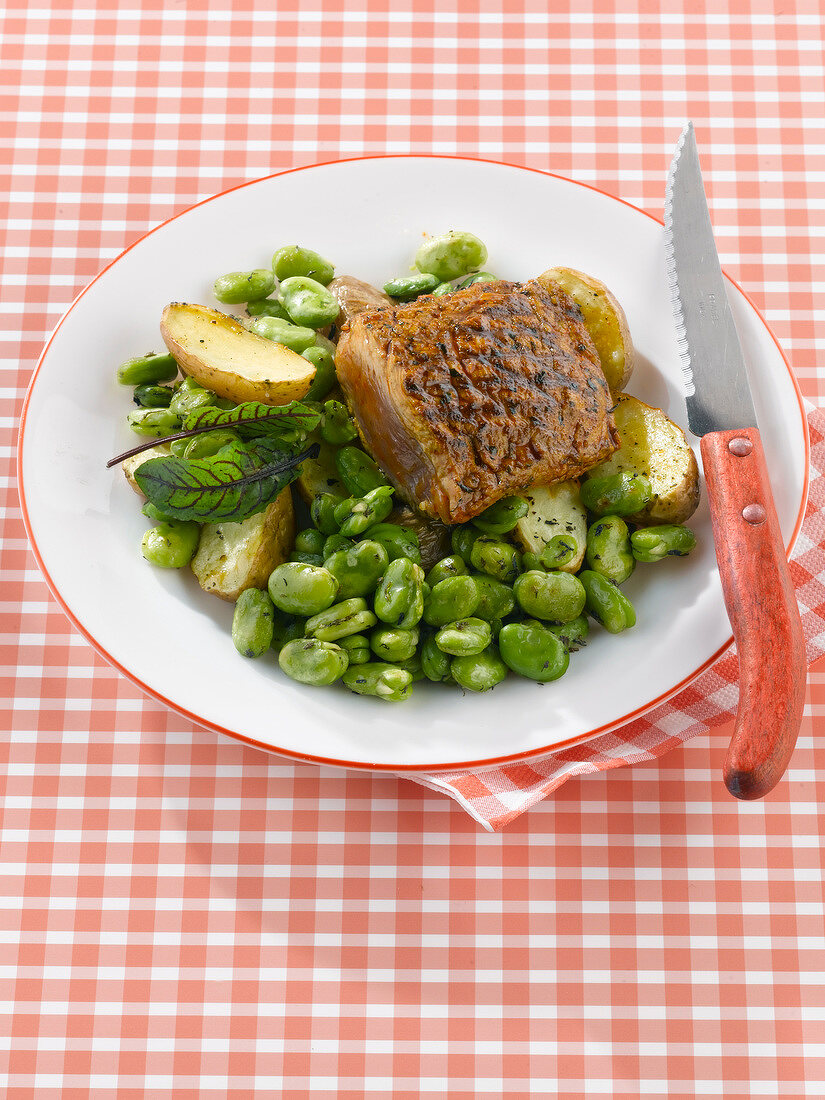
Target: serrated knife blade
(753,568)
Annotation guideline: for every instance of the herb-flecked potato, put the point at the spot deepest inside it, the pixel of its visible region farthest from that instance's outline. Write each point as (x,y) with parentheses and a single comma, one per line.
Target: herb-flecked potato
(320,475)
(554,510)
(129,465)
(220,354)
(605,321)
(655,446)
(232,557)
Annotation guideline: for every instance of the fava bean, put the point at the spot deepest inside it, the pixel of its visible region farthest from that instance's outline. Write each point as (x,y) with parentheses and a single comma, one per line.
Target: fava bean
(495,599)
(451,599)
(267,307)
(451,255)
(172,544)
(244,286)
(462,539)
(407,287)
(479,671)
(358,471)
(310,541)
(357,647)
(451,566)
(325,377)
(335,542)
(295,337)
(434,664)
(301,589)
(398,541)
(608,549)
(557,597)
(311,661)
(479,277)
(502,516)
(337,426)
(464,637)
(147,369)
(354,515)
(413,666)
(209,443)
(533,651)
(178,446)
(496,558)
(153,422)
(621,494)
(442,289)
(391,644)
(252,623)
(529,561)
(387,682)
(152,396)
(308,302)
(285,628)
(294,260)
(306,558)
(606,603)
(655,543)
(348,617)
(558,551)
(573,634)
(359,569)
(191,396)
(399,598)
(322,511)
(151,512)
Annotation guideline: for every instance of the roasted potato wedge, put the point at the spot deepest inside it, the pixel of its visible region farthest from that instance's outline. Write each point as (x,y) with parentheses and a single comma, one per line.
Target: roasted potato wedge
(605,322)
(232,557)
(217,351)
(554,510)
(653,445)
(129,465)
(319,475)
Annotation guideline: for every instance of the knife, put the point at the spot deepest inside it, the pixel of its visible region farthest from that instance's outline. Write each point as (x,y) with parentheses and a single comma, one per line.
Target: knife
(750,551)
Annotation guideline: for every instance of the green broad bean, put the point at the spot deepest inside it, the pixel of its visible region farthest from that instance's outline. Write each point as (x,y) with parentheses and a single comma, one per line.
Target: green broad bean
(209,443)
(355,515)
(189,397)
(301,589)
(322,511)
(295,337)
(244,286)
(495,599)
(530,561)
(285,628)
(312,661)
(573,634)
(267,307)
(462,539)
(337,426)
(398,541)
(335,542)
(442,289)
(172,544)
(451,255)
(347,617)
(479,671)
(150,396)
(451,599)
(496,558)
(151,512)
(502,516)
(325,377)
(407,287)
(294,260)
(357,648)
(606,603)
(359,569)
(147,369)
(451,566)
(558,551)
(495,627)
(655,543)
(252,623)
(621,494)
(478,277)
(413,666)
(556,597)
(391,644)
(310,541)
(434,664)
(153,422)
(399,598)
(533,651)
(608,549)
(178,446)
(306,558)
(464,638)
(357,471)
(308,302)
(387,682)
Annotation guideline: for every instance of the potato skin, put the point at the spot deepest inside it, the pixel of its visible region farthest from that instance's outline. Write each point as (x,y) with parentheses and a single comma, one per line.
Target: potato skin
(217,351)
(605,320)
(232,557)
(129,465)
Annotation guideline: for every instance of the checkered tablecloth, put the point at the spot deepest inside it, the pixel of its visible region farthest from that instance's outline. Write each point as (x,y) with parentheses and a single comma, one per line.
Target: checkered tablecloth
(183,916)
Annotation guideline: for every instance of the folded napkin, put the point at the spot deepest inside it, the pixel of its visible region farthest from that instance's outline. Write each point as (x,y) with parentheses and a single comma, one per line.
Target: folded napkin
(494,796)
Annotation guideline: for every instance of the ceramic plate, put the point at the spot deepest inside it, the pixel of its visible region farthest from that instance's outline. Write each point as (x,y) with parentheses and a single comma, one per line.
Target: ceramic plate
(368,216)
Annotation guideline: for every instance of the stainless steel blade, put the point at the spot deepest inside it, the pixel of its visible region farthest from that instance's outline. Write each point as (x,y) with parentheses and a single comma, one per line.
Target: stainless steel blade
(717,390)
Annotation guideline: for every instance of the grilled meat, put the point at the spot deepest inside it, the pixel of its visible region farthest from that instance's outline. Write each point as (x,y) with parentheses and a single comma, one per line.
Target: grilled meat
(478,394)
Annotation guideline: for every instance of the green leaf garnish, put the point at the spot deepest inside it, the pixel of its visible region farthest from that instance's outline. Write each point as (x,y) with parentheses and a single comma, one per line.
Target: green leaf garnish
(236,483)
(254,418)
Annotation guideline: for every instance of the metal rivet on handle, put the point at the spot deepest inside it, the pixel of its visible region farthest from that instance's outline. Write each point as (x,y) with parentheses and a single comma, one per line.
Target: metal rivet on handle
(740,446)
(754,513)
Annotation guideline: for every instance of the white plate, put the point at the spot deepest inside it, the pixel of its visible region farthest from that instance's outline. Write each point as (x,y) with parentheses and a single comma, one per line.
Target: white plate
(368,216)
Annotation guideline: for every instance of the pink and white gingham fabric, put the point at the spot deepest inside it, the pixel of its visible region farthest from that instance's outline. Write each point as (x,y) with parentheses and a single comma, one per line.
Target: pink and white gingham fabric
(182,915)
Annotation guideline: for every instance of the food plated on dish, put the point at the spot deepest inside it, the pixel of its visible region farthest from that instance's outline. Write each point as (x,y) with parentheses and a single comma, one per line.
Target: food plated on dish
(472,483)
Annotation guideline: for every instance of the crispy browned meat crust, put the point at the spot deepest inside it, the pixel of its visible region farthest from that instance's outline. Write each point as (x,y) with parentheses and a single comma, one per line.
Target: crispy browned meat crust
(478,394)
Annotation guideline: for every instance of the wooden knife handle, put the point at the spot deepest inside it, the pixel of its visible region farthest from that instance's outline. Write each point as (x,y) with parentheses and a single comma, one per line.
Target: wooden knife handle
(763,611)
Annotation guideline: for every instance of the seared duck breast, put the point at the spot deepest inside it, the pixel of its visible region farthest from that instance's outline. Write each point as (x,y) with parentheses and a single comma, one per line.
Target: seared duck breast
(478,394)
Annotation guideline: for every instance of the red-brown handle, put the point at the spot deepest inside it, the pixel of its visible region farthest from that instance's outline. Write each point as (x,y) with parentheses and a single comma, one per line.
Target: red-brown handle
(763,611)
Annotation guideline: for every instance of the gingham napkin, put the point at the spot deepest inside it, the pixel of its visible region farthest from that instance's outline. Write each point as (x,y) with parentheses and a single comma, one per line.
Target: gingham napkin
(495,796)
